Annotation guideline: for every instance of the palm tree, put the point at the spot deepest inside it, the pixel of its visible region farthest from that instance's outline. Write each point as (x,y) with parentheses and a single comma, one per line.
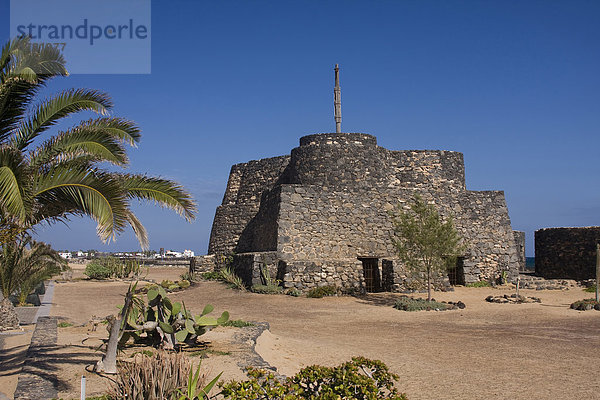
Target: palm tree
(25,263)
(48,181)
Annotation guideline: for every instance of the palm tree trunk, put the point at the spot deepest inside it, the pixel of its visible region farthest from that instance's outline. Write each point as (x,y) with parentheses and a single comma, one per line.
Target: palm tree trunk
(108,364)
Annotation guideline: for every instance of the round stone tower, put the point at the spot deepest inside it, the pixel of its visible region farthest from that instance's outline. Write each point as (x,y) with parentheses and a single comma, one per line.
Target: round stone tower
(336,160)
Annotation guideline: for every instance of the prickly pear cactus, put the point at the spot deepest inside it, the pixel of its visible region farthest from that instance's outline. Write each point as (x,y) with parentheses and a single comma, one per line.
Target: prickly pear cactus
(165,323)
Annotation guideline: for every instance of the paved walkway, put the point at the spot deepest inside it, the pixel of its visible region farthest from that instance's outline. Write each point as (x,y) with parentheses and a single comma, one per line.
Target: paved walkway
(30,315)
(44,309)
(35,380)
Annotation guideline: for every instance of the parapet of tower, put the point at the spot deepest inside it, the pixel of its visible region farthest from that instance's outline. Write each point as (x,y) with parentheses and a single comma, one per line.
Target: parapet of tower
(321,215)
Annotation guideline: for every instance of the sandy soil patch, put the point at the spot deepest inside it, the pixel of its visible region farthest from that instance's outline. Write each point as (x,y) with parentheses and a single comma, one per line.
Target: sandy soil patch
(14,349)
(518,351)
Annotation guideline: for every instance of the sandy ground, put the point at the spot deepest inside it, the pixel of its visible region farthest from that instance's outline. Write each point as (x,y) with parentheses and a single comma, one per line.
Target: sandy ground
(14,346)
(526,351)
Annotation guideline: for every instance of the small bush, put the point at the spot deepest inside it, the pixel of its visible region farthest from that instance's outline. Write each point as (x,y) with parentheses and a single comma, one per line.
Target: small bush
(586,304)
(183,284)
(108,267)
(267,289)
(238,323)
(293,292)
(478,284)
(188,276)
(590,289)
(406,303)
(96,270)
(322,291)
(205,352)
(360,378)
(166,283)
(211,275)
(64,324)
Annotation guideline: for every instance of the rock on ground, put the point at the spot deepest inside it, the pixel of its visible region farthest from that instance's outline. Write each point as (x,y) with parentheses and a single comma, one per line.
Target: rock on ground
(8,316)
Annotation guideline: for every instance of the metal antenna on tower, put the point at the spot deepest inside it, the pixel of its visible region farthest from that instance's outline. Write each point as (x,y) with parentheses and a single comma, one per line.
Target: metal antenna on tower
(337,101)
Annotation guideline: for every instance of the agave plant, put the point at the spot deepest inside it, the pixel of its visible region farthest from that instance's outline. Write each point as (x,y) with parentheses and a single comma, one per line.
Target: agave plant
(50,180)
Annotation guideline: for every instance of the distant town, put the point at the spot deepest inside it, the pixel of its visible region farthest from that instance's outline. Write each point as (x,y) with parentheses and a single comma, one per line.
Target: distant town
(149,254)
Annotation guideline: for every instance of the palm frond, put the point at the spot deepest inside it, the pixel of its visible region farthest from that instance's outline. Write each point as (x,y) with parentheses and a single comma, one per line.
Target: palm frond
(24,69)
(139,230)
(34,62)
(126,131)
(51,111)
(163,192)
(98,195)
(12,200)
(80,142)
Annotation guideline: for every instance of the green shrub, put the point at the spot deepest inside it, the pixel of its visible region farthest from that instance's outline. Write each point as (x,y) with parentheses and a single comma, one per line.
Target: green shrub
(406,303)
(188,276)
(64,324)
(322,291)
(293,292)
(590,289)
(238,323)
(211,275)
(360,379)
(166,283)
(108,267)
(478,284)
(184,284)
(267,289)
(96,270)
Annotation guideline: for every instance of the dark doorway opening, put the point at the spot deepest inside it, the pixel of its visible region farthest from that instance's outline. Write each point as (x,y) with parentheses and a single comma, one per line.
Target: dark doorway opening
(456,274)
(371,274)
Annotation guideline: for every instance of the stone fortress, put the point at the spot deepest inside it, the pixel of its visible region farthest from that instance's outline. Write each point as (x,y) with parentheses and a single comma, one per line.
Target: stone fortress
(321,215)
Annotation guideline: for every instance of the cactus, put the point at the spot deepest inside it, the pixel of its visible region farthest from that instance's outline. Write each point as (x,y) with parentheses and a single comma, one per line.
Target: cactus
(165,323)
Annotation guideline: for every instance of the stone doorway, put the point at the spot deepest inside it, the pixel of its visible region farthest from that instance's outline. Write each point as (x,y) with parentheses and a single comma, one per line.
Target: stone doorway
(371,274)
(456,274)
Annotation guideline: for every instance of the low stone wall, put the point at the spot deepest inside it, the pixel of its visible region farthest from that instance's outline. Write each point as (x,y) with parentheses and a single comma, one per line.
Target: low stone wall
(566,253)
(305,275)
(200,264)
(348,274)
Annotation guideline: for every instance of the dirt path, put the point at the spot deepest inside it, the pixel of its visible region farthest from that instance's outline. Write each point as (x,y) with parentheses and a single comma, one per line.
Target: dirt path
(484,351)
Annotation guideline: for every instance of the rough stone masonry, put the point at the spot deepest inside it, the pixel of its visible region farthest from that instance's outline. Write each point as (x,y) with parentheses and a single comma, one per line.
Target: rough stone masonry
(321,216)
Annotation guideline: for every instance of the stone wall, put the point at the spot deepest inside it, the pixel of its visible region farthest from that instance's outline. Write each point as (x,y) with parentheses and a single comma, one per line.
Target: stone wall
(520,248)
(200,264)
(260,234)
(566,253)
(241,201)
(354,160)
(254,268)
(314,221)
(305,275)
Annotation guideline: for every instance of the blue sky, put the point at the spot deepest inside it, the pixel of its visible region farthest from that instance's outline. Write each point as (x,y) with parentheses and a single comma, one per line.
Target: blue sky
(514,85)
